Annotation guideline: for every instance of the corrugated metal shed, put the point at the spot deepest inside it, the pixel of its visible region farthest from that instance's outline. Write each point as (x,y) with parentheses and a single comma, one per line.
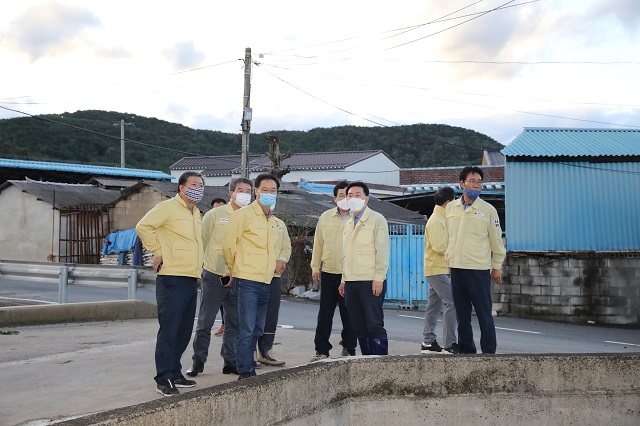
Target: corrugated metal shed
(561,142)
(560,205)
(83,168)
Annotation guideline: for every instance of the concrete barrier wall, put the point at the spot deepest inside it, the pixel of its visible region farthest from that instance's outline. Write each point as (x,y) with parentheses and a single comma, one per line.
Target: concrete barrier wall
(76,312)
(496,390)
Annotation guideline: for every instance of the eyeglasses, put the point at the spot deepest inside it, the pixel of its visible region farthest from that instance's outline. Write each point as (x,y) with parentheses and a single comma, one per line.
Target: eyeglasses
(474,182)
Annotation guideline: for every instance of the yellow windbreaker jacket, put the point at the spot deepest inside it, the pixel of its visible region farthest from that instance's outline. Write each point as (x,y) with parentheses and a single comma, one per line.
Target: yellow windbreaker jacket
(214,226)
(327,242)
(475,236)
(173,231)
(250,243)
(435,243)
(365,248)
(283,247)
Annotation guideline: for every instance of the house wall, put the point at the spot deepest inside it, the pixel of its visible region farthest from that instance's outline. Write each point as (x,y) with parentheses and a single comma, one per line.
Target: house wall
(436,175)
(603,288)
(377,169)
(30,227)
(128,211)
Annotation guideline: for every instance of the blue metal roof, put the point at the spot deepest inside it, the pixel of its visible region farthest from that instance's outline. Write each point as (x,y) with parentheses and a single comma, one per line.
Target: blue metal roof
(561,142)
(84,168)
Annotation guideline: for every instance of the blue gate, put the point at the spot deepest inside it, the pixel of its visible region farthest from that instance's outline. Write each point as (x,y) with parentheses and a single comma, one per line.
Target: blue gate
(406,284)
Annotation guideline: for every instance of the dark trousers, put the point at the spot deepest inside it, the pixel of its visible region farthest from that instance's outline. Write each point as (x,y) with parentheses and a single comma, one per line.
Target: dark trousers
(176,298)
(252,299)
(214,296)
(265,342)
(472,287)
(365,309)
(329,298)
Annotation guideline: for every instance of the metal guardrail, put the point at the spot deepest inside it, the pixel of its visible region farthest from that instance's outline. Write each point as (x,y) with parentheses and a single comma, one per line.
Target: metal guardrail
(70,273)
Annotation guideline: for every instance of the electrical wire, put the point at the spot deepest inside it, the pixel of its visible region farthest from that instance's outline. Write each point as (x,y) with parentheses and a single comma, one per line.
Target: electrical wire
(443,142)
(148,145)
(452,101)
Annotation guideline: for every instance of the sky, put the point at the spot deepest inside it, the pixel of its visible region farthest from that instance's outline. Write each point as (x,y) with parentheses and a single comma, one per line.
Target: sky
(491,66)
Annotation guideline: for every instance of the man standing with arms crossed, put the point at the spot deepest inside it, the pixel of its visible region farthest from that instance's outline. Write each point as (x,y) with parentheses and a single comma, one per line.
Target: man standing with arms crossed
(364,270)
(326,271)
(475,254)
(172,232)
(249,248)
(216,284)
(436,270)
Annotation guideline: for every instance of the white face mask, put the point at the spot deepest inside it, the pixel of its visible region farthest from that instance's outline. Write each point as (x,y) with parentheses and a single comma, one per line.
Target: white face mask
(343,204)
(273,206)
(356,204)
(243,199)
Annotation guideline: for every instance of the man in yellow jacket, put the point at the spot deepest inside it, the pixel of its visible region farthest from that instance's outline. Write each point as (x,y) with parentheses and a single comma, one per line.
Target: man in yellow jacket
(172,232)
(475,254)
(436,270)
(265,342)
(249,249)
(216,285)
(326,271)
(365,261)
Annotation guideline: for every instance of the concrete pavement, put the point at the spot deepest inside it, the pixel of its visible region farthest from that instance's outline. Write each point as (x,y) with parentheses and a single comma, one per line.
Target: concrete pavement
(60,371)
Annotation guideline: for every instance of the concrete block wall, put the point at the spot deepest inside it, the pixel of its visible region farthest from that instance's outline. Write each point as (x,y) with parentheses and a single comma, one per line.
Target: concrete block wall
(603,288)
(128,211)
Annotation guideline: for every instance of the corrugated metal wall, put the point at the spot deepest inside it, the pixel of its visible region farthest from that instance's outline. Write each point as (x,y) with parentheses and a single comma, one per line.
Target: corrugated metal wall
(576,206)
(406,284)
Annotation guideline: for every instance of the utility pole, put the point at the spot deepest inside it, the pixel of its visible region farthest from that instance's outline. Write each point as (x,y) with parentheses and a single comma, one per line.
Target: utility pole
(122,143)
(246,114)
(122,124)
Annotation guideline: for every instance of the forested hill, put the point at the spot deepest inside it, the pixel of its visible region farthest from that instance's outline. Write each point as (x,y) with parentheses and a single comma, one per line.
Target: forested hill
(418,145)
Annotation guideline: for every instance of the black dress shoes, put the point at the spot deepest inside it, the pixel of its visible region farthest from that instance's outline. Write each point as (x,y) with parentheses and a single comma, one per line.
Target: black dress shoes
(229,368)
(196,368)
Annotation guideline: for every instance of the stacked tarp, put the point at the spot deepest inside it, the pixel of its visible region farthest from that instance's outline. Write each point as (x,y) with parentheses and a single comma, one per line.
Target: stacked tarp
(122,247)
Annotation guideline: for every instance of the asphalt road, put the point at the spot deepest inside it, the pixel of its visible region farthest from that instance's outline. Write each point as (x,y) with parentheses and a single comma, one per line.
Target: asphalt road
(515,335)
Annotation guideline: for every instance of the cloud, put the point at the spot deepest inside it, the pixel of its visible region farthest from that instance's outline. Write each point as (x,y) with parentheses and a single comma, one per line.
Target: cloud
(48,29)
(177,111)
(627,12)
(117,52)
(183,55)
(230,123)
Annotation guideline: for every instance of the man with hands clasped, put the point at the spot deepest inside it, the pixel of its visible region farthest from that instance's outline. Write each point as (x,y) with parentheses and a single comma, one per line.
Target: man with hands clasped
(365,263)
(326,272)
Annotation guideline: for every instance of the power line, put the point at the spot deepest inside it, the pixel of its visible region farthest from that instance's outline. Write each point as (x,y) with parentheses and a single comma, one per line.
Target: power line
(148,145)
(396,32)
(453,26)
(356,115)
(449,100)
(373,84)
(8,100)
